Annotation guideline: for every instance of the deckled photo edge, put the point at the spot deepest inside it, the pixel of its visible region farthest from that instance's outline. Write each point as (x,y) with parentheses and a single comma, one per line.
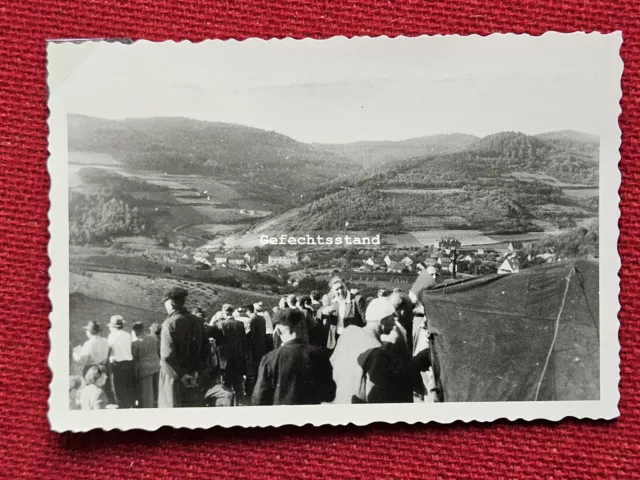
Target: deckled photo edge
(62,419)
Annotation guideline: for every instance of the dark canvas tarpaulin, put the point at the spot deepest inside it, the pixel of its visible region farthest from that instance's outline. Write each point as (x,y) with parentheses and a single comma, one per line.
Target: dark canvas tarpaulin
(525,336)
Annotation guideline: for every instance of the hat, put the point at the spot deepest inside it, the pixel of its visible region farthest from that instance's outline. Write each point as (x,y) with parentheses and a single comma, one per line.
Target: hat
(176,293)
(93,327)
(378,309)
(287,317)
(227,307)
(137,327)
(431,270)
(116,321)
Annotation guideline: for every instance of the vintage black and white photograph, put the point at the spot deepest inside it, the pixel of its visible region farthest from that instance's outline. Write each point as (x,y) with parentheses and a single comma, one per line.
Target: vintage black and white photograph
(274,232)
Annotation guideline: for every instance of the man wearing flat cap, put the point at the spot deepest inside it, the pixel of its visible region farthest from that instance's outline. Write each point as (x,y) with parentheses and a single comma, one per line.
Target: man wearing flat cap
(184,348)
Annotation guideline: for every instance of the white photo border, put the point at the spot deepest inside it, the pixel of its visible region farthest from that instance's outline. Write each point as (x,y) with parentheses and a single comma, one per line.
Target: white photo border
(63,57)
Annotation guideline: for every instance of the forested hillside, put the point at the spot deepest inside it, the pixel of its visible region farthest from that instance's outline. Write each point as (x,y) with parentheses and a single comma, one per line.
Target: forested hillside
(97,217)
(507,183)
(223,151)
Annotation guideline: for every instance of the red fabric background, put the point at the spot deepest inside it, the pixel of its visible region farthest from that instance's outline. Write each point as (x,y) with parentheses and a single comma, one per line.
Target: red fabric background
(572,448)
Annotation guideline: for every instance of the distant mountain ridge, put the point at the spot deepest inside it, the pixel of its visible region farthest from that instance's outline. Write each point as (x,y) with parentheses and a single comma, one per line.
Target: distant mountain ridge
(375,153)
(505,181)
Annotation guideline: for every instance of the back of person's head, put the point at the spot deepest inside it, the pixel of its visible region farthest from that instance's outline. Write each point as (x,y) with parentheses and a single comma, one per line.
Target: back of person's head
(249,308)
(138,328)
(315,295)
(287,317)
(283,302)
(216,317)
(227,309)
(305,301)
(92,374)
(155,328)
(292,300)
(380,314)
(401,301)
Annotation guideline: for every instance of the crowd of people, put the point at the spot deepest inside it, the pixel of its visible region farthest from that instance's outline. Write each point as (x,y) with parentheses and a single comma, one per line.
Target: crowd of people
(338,347)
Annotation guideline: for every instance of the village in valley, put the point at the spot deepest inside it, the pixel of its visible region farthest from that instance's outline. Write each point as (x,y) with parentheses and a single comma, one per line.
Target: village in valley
(143,218)
(276,270)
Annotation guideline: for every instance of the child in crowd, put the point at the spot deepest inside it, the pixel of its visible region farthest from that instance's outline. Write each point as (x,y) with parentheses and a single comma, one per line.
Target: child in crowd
(92,396)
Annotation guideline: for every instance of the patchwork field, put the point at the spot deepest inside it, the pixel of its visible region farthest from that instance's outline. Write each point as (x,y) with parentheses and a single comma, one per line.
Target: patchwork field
(432,221)
(581,192)
(425,191)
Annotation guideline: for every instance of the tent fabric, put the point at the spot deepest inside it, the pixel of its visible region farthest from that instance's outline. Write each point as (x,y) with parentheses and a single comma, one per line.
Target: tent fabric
(532,335)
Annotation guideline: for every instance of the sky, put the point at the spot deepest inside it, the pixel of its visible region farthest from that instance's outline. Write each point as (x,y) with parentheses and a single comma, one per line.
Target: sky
(339,90)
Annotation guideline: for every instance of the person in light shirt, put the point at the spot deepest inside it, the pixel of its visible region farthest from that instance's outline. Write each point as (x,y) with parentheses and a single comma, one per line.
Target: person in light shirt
(121,363)
(356,373)
(347,309)
(95,351)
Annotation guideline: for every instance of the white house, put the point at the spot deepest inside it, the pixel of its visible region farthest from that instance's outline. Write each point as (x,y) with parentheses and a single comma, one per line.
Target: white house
(199,259)
(510,265)
(236,260)
(286,259)
(389,259)
(407,261)
(220,259)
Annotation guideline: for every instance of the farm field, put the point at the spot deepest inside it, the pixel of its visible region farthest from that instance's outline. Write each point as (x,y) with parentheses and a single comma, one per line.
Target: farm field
(428,237)
(581,192)
(416,222)
(425,191)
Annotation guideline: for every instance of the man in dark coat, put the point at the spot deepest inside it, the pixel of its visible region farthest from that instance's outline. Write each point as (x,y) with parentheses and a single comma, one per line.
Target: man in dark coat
(231,339)
(184,348)
(296,373)
(257,346)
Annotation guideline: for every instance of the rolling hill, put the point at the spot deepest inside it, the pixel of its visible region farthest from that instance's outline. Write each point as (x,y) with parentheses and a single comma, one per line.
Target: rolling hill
(372,154)
(508,182)
(273,162)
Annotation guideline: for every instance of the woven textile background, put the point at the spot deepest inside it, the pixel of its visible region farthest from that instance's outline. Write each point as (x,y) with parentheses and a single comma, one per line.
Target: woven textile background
(572,448)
